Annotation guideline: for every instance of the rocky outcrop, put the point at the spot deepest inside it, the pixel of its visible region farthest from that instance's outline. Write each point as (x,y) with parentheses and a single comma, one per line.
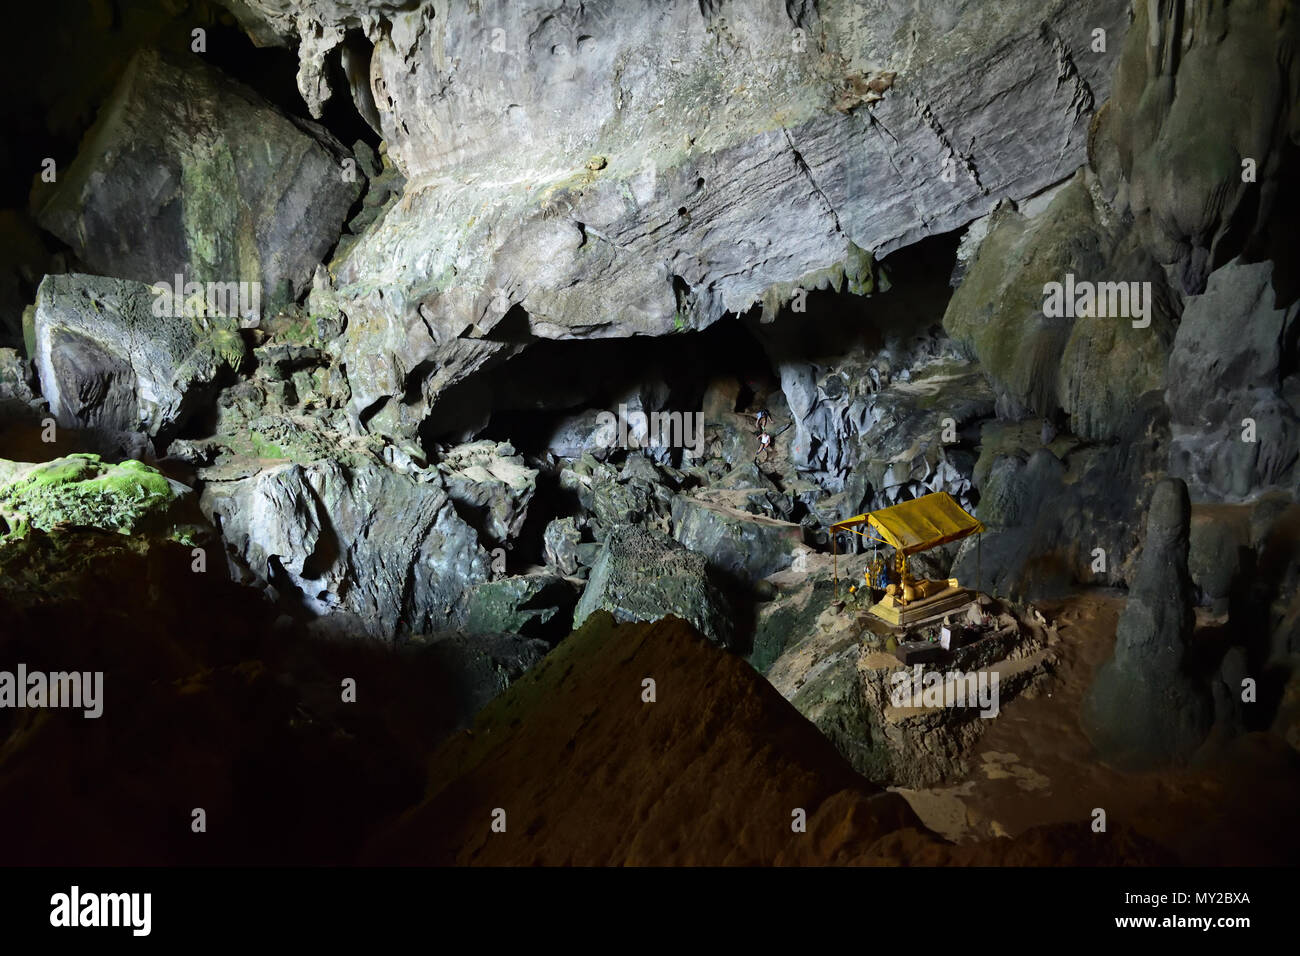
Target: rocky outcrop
(189,173)
(1232,390)
(1062,513)
(489,482)
(534,605)
(1206,184)
(915,440)
(1146,707)
(639,492)
(643,575)
(642,200)
(560,542)
(1019,504)
(107,359)
(1093,368)
(84,491)
(746,488)
(383,555)
(742,547)
(882,424)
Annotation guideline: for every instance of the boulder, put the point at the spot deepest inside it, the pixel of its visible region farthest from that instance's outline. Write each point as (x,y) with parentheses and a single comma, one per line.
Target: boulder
(527,604)
(644,575)
(108,361)
(560,543)
(614,495)
(84,491)
(489,482)
(743,547)
(624,425)
(188,173)
(1145,707)
(386,552)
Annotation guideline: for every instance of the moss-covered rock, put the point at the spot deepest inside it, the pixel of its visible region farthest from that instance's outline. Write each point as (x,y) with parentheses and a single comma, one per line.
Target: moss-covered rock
(643,575)
(521,604)
(83,490)
(997,311)
(1093,368)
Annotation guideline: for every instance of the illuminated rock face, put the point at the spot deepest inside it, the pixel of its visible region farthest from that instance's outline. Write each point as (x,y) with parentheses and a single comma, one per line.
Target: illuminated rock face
(635,168)
(642,575)
(188,172)
(107,359)
(384,555)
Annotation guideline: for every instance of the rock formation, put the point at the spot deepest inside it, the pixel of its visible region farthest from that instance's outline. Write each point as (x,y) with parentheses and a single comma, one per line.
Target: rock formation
(1245,437)
(187,173)
(642,575)
(608,314)
(1147,706)
(389,553)
(660,197)
(108,360)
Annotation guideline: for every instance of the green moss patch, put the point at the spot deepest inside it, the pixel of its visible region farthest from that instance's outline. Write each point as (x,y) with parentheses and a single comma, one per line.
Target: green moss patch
(84,490)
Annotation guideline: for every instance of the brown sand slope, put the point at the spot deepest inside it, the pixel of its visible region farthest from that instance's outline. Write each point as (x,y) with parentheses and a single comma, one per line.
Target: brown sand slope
(1035,768)
(709,773)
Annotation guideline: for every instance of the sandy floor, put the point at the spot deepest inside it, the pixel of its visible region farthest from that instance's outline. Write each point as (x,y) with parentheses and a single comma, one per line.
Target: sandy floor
(1036,767)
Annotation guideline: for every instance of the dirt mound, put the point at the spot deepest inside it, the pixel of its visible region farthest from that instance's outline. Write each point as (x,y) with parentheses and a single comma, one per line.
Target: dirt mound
(588,772)
(211,701)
